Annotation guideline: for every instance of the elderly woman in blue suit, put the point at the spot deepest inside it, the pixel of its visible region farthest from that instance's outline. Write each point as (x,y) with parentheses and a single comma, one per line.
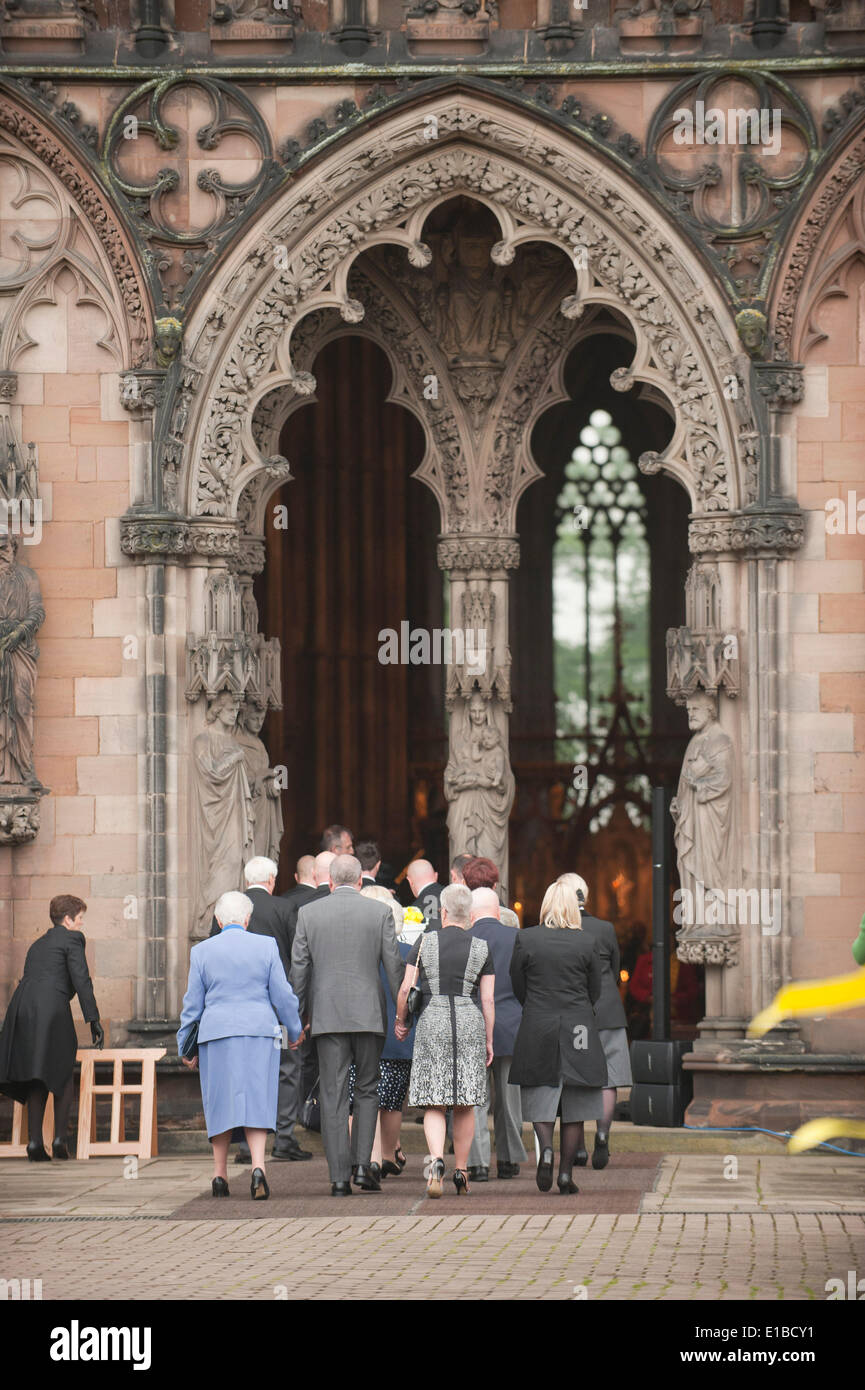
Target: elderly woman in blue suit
(239,995)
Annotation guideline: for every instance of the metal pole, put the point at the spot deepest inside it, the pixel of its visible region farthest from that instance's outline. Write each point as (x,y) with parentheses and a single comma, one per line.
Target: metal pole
(661,925)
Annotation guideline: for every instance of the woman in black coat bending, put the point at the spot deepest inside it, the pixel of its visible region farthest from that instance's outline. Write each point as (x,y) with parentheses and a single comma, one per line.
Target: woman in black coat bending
(558,1058)
(38,1043)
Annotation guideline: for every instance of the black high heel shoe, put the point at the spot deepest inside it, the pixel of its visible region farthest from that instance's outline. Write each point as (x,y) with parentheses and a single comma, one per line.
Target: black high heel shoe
(59,1149)
(389,1169)
(601,1154)
(219,1188)
(399,1158)
(258,1188)
(37,1153)
(544,1175)
(461,1182)
(565,1183)
(581,1158)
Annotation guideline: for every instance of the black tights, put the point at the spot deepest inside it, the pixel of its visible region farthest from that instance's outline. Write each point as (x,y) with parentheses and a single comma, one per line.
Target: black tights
(570,1137)
(37,1099)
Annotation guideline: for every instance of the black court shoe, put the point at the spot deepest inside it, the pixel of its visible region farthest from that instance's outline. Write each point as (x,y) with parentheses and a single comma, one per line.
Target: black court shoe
(400,1158)
(544,1175)
(390,1170)
(258,1188)
(219,1188)
(59,1149)
(601,1153)
(461,1182)
(566,1184)
(581,1158)
(37,1153)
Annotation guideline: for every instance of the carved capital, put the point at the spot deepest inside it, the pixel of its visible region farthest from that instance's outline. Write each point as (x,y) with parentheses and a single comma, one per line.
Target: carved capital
(19,819)
(143,390)
(8,385)
(175,538)
(251,555)
(781,384)
(487,553)
(708,948)
(776,533)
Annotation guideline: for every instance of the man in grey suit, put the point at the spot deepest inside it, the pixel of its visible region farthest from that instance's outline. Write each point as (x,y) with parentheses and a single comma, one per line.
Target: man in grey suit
(340,943)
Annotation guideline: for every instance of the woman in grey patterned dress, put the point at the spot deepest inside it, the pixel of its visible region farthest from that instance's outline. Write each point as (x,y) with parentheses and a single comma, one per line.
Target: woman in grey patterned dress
(454,1036)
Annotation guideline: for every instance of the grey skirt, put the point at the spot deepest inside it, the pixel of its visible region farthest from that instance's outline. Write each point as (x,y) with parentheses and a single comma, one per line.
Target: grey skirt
(541,1103)
(614,1041)
(449,1063)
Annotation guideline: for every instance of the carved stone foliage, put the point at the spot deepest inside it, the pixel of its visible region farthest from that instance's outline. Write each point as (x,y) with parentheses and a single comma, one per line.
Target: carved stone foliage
(176,258)
(143,537)
(829,244)
(704,158)
(467,553)
(85,214)
(781,384)
(776,532)
(628,263)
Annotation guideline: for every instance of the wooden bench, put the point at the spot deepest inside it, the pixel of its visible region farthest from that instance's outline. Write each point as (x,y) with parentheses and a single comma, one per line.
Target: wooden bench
(146,1145)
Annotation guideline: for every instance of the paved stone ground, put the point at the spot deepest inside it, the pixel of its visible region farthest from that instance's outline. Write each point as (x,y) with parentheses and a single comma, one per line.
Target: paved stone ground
(788,1226)
(557,1256)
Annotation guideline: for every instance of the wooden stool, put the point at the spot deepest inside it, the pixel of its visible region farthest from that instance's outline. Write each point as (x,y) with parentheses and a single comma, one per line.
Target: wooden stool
(145,1146)
(17,1145)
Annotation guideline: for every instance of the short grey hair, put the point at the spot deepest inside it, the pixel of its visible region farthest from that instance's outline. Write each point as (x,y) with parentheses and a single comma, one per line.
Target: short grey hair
(233,907)
(382,895)
(345,869)
(510,918)
(456,899)
(259,870)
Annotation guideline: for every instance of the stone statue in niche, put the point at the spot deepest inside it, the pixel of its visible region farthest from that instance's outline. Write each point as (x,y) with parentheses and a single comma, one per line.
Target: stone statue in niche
(21,616)
(473,307)
(702,812)
(263,782)
(221,811)
(479,784)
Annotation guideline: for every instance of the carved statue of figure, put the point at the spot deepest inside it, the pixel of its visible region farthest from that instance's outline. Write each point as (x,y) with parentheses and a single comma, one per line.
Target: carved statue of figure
(702,809)
(479,786)
(21,616)
(472,309)
(168,336)
(221,811)
(266,803)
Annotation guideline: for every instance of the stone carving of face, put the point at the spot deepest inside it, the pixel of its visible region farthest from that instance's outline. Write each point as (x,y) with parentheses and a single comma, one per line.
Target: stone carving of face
(701,713)
(168,336)
(489,737)
(477,711)
(253,717)
(8,549)
(751,325)
(224,710)
(473,253)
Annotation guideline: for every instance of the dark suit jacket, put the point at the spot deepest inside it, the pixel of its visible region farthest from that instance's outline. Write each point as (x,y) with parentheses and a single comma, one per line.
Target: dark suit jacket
(556,975)
(428,901)
(609,1010)
(270,917)
(501,940)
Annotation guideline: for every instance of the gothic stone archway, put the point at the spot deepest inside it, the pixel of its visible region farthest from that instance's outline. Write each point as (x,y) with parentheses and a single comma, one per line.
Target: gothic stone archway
(378,187)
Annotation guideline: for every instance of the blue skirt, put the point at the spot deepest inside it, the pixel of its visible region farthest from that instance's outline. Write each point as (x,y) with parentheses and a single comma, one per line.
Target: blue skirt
(239,1083)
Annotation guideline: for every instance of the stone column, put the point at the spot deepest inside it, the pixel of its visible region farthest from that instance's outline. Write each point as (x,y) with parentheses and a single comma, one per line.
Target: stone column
(479,783)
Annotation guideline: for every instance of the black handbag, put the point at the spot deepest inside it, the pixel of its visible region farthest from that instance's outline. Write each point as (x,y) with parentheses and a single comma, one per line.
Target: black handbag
(190,1043)
(310,1113)
(414,1002)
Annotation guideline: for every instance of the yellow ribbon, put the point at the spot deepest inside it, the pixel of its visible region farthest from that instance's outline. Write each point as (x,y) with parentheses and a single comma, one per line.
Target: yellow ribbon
(821,1131)
(810,997)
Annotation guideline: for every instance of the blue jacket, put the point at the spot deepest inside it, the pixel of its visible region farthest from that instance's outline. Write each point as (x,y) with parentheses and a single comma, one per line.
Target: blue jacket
(238,988)
(393,1050)
(501,940)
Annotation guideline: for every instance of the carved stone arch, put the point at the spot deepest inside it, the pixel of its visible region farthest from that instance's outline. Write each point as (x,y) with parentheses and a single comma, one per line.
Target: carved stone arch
(821,252)
(91,289)
(363,195)
(110,258)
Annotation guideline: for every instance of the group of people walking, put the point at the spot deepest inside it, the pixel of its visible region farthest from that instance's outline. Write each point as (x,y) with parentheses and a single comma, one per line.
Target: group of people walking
(317,983)
(443,1005)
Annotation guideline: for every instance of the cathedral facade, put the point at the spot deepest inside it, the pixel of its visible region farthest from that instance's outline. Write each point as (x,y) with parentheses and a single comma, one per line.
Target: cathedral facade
(302,308)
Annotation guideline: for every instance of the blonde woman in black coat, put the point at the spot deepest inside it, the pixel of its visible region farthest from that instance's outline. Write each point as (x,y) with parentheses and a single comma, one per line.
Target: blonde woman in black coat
(558,1058)
(611,1022)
